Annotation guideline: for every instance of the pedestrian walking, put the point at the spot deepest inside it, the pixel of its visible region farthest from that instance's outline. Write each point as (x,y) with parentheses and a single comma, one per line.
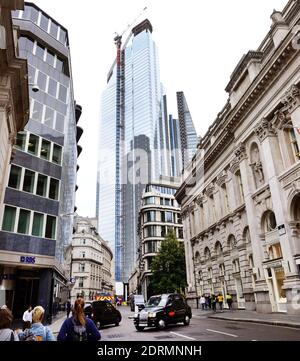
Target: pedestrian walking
(202,302)
(68,308)
(6,332)
(27,318)
(213,302)
(78,327)
(220,299)
(37,332)
(229,300)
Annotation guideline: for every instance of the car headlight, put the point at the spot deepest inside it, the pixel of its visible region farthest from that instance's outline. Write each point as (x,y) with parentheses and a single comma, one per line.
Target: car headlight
(152,314)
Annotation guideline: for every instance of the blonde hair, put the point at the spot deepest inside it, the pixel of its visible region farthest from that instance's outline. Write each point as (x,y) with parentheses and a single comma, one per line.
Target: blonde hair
(37,314)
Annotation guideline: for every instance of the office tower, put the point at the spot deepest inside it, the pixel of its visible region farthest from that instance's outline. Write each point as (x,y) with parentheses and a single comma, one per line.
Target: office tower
(40,196)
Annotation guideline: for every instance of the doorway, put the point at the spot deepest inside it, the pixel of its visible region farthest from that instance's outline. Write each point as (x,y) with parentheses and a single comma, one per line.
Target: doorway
(26,294)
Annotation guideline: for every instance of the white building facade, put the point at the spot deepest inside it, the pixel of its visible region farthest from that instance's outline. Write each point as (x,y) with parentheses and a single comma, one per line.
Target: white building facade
(240,196)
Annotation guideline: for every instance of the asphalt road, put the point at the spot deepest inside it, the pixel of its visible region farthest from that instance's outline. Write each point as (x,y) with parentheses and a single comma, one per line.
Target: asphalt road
(201,328)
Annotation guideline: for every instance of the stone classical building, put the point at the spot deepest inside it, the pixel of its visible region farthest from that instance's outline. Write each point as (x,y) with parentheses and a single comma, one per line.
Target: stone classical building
(240,195)
(90,260)
(159,215)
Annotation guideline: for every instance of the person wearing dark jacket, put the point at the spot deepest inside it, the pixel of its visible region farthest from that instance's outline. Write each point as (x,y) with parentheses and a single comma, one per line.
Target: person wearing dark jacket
(70,327)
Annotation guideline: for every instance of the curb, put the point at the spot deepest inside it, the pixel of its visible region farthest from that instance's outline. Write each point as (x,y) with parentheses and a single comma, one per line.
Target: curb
(266,322)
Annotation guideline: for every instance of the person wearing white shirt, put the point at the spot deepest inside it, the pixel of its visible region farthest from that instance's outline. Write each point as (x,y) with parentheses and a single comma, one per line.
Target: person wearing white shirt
(27,318)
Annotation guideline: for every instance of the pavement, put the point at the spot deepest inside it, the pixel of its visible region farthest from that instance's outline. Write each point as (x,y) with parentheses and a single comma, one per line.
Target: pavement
(275,319)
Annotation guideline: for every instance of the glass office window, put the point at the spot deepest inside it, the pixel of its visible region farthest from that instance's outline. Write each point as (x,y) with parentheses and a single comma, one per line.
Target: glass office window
(31,73)
(24,219)
(33,144)
(28,182)
(53,29)
(50,227)
(49,117)
(15,177)
(29,45)
(45,150)
(169,217)
(40,51)
(54,188)
(37,224)
(52,87)
(44,22)
(9,218)
(62,93)
(60,122)
(42,81)
(62,36)
(37,111)
(59,65)
(41,189)
(21,140)
(50,58)
(56,156)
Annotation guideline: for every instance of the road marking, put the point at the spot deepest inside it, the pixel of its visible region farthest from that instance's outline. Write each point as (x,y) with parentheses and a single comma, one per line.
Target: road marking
(224,333)
(179,334)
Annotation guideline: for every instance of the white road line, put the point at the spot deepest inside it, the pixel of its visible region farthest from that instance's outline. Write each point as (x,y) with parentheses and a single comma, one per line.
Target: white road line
(224,333)
(179,334)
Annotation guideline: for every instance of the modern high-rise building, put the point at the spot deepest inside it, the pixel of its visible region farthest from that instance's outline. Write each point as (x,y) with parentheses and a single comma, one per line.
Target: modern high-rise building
(139,142)
(40,196)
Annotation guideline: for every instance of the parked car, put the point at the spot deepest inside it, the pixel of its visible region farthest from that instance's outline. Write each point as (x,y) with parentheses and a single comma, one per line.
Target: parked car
(162,310)
(102,313)
(137,300)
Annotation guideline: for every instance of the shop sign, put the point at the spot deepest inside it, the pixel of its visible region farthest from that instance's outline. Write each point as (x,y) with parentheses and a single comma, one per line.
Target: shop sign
(27,259)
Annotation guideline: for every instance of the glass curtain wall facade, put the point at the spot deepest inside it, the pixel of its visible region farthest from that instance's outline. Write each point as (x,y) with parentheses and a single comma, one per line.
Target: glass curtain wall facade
(41,188)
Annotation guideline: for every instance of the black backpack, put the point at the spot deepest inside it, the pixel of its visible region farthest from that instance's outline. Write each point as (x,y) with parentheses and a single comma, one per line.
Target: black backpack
(78,332)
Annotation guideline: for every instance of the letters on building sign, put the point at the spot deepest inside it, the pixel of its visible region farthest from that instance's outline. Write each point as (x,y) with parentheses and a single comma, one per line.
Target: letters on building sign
(27,259)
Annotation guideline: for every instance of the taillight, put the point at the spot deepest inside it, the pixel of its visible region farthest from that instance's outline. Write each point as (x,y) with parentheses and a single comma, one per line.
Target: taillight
(171,313)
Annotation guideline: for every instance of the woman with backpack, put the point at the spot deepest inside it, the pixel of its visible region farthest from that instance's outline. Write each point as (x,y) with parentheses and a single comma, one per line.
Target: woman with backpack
(6,333)
(78,327)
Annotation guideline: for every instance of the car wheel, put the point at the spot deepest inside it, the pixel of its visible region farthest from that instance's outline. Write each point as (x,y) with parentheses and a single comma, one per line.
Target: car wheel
(187,320)
(161,324)
(118,320)
(139,328)
(98,325)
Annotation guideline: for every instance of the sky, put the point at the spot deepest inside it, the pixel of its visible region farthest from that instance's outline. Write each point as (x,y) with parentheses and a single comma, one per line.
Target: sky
(199,44)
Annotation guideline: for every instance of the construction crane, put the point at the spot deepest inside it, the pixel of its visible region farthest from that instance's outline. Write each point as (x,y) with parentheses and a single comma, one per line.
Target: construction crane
(120,96)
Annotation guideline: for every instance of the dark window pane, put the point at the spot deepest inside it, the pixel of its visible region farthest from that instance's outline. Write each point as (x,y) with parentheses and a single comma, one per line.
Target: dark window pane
(9,218)
(15,177)
(62,36)
(50,227)
(50,58)
(21,139)
(33,144)
(45,150)
(56,157)
(41,188)
(53,30)
(59,64)
(40,51)
(53,190)
(62,93)
(49,117)
(60,122)
(28,183)
(42,81)
(52,88)
(37,225)
(37,112)
(24,218)
(44,22)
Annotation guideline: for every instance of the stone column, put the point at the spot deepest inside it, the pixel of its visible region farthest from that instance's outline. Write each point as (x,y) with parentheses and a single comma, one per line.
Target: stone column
(291,102)
(261,288)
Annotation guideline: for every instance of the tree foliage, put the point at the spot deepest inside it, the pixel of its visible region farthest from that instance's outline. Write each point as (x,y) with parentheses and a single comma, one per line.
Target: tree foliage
(168,267)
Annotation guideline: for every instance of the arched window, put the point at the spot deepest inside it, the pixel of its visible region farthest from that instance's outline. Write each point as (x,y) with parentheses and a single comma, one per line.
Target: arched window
(256,165)
(246,235)
(295,208)
(207,254)
(218,249)
(197,257)
(269,221)
(231,242)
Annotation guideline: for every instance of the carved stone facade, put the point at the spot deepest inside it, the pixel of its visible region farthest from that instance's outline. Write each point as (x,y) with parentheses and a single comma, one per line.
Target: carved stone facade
(244,235)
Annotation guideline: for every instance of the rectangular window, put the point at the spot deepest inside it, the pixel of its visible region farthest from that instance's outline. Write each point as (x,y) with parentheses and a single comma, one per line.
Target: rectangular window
(42,81)
(60,122)
(162,216)
(81,267)
(28,183)
(44,22)
(62,95)
(9,218)
(24,219)
(50,227)
(37,112)
(29,45)
(80,283)
(21,140)
(49,117)
(15,177)
(59,65)
(54,188)
(45,150)
(31,74)
(180,233)
(53,29)
(40,51)
(62,36)
(169,217)
(50,58)
(33,145)
(52,87)
(41,188)
(37,225)
(151,216)
(163,231)
(34,14)
(150,200)
(56,156)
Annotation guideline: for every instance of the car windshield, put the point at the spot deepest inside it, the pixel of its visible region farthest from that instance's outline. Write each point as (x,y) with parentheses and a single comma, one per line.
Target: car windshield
(139,299)
(156,301)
